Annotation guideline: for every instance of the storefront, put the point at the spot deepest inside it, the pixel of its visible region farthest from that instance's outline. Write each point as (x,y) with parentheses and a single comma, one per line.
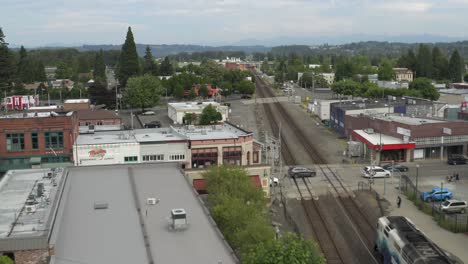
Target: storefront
(380,148)
(105,154)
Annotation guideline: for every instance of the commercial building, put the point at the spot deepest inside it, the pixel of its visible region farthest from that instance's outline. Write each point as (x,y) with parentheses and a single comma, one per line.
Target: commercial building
(35,138)
(403,74)
(194,147)
(177,111)
(76,104)
(393,84)
(406,105)
(404,138)
(329,77)
(149,213)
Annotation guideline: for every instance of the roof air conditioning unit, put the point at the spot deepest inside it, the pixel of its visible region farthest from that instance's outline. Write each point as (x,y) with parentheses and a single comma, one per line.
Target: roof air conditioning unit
(152,201)
(369,130)
(30,209)
(100,205)
(179,219)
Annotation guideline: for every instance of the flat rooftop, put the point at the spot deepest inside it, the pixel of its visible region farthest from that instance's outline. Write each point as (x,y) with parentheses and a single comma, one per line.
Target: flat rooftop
(377,138)
(88,235)
(35,114)
(381,103)
(25,212)
(192,105)
(221,131)
(408,120)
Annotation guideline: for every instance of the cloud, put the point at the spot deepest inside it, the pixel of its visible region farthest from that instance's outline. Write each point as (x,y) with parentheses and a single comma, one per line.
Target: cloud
(403,7)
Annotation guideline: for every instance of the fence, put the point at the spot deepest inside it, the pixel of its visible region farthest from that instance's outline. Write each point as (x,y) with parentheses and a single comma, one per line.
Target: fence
(457,223)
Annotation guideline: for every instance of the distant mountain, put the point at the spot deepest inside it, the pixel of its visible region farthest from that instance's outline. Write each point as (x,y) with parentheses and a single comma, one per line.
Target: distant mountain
(164,50)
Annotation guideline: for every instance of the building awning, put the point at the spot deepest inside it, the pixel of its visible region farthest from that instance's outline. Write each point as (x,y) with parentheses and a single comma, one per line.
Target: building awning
(200,184)
(35,160)
(375,140)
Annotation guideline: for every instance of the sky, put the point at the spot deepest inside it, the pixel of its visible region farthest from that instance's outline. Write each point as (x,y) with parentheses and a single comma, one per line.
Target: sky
(218,22)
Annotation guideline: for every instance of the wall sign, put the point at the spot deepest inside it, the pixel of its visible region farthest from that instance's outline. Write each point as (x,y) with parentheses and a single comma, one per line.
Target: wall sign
(97,153)
(403,131)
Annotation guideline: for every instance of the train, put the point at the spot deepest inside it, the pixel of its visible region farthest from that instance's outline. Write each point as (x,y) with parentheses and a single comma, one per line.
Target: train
(400,241)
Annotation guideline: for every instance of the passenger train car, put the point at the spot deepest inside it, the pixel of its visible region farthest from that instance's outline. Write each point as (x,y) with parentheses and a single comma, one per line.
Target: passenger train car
(399,241)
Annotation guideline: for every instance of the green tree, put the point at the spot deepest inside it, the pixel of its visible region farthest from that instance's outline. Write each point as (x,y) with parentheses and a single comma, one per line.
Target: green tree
(203,91)
(440,62)
(386,72)
(149,66)
(7,67)
(425,88)
(178,91)
(166,68)
(408,60)
(455,68)
(189,118)
(346,87)
(99,69)
(143,91)
(83,64)
(128,62)
(40,74)
(246,87)
(5,260)
(210,115)
(24,70)
(290,248)
(192,93)
(99,94)
(424,62)
(64,71)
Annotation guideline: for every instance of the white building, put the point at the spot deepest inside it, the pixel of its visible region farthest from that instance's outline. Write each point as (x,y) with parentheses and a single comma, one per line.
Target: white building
(329,77)
(403,74)
(393,85)
(177,111)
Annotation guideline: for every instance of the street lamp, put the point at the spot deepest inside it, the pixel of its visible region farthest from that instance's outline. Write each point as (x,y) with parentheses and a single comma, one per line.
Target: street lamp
(417,176)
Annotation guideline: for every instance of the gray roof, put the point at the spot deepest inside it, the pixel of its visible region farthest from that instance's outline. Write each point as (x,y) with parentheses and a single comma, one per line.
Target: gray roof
(87,235)
(20,229)
(381,103)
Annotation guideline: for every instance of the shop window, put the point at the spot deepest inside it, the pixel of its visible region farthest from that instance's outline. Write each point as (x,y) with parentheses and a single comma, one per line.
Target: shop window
(34,141)
(204,157)
(131,159)
(53,140)
(232,155)
(15,141)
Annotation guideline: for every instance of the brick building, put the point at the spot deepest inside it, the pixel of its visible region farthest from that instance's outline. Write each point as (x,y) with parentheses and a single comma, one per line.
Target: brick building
(97,117)
(36,138)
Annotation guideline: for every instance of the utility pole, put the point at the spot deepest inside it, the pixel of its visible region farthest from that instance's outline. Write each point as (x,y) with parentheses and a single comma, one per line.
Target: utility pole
(279,154)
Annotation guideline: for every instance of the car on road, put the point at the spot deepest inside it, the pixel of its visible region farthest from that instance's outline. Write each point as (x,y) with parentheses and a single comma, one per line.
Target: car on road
(301,172)
(375,172)
(454,206)
(246,96)
(437,194)
(154,124)
(456,159)
(396,167)
(148,113)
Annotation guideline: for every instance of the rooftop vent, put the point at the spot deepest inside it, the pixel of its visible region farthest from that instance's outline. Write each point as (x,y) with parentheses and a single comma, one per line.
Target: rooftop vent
(179,219)
(152,201)
(100,205)
(369,130)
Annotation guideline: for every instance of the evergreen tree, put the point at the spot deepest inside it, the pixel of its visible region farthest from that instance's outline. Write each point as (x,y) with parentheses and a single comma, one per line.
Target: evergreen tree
(7,67)
(83,64)
(166,68)
(149,66)
(23,66)
(455,68)
(128,63)
(99,70)
(39,72)
(440,62)
(424,62)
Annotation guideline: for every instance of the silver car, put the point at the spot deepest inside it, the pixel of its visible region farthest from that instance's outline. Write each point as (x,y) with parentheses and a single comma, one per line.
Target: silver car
(294,172)
(454,206)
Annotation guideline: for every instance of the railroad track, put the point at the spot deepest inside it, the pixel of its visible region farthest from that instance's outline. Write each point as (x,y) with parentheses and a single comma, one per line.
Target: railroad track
(346,198)
(315,156)
(322,232)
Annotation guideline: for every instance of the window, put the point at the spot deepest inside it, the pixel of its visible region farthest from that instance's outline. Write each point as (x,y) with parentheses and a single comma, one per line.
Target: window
(54,140)
(99,123)
(34,140)
(177,157)
(131,159)
(159,157)
(255,157)
(204,157)
(232,155)
(15,141)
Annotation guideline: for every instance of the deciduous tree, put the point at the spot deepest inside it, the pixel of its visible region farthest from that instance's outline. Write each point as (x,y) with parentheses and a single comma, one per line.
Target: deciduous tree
(143,91)
(210,115)
(386,72)
(425,88)
(203,91)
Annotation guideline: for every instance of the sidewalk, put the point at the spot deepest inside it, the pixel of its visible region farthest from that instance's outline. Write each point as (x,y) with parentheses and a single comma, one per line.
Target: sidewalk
(451,242)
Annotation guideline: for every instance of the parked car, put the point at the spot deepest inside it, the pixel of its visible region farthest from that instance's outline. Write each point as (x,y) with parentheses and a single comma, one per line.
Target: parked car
(437,194)
(456,159)
(454,206)
(396,167)
(148,113)
(294,172)
(154,124)
(246,96)
(375,172)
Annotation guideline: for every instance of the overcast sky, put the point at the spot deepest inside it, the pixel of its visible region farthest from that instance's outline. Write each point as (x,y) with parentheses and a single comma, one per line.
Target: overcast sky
(35,23)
